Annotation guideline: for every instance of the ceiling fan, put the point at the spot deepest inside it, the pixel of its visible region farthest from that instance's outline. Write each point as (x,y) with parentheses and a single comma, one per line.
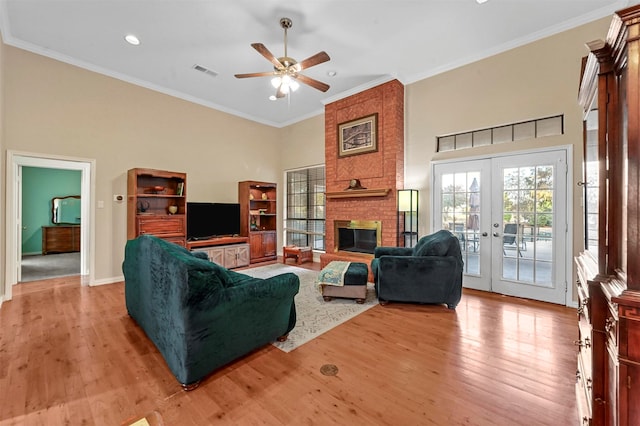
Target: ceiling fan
(286,73)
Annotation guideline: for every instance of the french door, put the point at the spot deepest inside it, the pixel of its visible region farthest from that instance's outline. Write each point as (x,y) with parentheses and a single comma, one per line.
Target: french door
(510,215)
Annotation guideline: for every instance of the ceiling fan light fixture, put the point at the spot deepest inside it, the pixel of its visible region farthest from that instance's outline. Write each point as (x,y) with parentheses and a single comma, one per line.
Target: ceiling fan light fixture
(284,84)
(290,83)
(286,70)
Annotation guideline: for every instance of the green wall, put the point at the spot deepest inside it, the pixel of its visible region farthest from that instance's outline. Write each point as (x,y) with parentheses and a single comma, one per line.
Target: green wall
(39,186)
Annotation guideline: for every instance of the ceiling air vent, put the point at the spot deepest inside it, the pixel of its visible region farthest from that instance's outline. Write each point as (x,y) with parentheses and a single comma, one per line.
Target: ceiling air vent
(205,70)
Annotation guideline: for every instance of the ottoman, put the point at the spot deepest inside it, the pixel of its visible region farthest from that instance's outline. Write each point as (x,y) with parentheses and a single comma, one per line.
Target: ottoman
(355,284)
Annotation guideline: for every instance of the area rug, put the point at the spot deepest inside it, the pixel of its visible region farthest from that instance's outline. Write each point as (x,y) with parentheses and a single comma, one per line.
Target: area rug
(314,315)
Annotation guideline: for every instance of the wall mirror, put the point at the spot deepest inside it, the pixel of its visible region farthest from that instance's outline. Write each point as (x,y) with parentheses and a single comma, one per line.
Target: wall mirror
(65,210)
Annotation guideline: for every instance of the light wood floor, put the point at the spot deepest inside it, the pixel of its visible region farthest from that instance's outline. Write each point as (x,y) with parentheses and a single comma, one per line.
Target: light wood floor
(71,355)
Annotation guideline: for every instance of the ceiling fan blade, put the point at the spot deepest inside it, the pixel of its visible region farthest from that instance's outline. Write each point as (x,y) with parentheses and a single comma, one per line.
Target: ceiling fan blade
(267,54)
(316,59)
(312,82)
(255,74)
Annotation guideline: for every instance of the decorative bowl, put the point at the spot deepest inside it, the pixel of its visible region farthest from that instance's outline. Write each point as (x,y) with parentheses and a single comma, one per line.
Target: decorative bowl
(158,189)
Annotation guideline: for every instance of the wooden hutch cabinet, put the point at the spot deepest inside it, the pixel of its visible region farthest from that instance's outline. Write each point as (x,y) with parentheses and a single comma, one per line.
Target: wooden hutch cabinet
(608,370)
(156,204)
(258,218)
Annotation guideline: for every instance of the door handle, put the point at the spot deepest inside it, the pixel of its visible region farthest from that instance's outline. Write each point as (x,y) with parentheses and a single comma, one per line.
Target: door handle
(484,234)
(495,234)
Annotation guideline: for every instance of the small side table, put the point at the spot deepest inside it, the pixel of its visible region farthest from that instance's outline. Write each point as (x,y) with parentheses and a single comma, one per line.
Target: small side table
(301,254)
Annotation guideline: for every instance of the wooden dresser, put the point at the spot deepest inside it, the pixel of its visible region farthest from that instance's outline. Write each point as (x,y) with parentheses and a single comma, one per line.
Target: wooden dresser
(60,239)
(608,271)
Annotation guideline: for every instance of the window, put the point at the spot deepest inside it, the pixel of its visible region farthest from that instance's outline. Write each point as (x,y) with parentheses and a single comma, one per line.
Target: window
(305,215)
(549,126)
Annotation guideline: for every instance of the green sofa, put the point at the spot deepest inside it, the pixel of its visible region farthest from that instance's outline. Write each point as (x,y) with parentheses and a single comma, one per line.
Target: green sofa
(430,272)
(198,314)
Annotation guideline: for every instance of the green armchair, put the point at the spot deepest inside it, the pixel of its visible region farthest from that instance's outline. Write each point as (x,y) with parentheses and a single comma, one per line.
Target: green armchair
(431,272)
(198,314)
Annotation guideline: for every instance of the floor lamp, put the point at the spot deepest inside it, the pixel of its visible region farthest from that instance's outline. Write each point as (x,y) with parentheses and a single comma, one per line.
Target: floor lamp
(407,217)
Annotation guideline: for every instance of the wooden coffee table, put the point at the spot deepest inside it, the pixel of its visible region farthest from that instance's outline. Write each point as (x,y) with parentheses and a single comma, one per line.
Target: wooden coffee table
(301,254)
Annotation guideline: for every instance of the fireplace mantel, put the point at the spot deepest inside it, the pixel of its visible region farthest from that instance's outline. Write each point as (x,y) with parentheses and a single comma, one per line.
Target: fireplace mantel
(357,193)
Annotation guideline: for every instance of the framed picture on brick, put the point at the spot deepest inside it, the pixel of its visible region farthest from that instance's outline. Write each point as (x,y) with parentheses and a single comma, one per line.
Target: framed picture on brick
(358,136)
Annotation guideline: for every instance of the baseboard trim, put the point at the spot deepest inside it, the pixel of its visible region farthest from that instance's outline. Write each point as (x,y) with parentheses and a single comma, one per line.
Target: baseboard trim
(104,281)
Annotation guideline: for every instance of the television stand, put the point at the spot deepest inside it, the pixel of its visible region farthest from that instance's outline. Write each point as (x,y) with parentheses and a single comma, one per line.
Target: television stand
(217,241)
(230,252)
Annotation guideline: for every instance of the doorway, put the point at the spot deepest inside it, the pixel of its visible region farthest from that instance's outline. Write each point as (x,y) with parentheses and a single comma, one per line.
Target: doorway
(510,215)
(50,218)
(15,162)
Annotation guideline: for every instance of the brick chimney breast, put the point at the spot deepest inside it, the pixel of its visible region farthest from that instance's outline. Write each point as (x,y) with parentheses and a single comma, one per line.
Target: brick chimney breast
(383,168)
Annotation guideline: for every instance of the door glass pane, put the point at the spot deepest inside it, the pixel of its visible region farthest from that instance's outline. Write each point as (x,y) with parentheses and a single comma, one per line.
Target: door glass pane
(460,201)
(528,196)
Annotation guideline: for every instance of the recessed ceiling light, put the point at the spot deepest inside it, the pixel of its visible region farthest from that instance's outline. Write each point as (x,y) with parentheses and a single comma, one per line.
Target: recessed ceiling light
(131,39)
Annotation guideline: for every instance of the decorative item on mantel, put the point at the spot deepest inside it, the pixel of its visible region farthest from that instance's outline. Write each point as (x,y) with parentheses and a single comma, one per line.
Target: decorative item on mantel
(354,184)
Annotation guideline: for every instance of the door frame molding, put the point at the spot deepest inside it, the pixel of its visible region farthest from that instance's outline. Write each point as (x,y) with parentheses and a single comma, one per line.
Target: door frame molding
(15,161)
(569,255)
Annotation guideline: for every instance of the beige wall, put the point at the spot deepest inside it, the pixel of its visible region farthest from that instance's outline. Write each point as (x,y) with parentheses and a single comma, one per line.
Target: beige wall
(55,108)
(302,144)
(537,80)
(59,109)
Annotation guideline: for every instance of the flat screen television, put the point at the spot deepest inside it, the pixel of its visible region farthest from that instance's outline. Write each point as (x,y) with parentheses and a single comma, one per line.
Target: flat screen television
(210,220)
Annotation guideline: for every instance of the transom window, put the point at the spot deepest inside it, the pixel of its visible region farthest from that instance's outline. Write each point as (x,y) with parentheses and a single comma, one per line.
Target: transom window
(539,128)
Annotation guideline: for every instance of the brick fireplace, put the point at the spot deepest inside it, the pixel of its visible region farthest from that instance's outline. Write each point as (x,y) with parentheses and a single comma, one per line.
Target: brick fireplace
(380,172)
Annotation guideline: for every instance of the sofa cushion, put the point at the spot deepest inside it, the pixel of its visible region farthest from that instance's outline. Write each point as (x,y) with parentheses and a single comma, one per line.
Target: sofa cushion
(437,244)
(198,262)
(200,255)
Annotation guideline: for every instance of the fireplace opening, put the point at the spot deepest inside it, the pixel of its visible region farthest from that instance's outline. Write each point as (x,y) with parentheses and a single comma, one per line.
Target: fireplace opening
(357,236)
(357,240)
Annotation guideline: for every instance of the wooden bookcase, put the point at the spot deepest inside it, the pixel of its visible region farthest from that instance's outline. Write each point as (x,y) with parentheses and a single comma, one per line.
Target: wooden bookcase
(150,195)
(258,218)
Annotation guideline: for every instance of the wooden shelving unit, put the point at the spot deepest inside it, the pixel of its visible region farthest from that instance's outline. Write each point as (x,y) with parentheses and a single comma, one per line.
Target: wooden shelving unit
(151,194)
(258,218)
